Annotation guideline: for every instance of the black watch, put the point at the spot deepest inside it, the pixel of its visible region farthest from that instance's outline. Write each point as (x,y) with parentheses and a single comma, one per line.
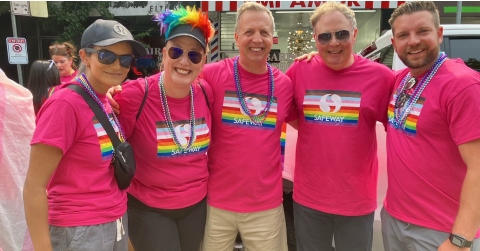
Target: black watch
(459,241)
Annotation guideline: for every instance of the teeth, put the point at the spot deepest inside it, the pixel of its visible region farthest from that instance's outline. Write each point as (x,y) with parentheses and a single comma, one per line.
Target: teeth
(413,52)
(256,49)
(185,72)
(335,52)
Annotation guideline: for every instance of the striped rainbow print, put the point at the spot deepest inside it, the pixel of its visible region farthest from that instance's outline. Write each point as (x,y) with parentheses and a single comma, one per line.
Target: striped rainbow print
(412,118)
(166,147)
(283,141)
(232,114)
(106,147)
(332,107)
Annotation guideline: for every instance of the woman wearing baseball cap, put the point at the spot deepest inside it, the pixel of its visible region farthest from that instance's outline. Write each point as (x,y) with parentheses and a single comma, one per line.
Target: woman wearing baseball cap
(166,200)
(72,199)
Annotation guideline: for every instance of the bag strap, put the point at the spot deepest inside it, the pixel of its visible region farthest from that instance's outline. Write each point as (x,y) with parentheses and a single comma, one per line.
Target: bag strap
(204,94)
(143,100)
(99,114)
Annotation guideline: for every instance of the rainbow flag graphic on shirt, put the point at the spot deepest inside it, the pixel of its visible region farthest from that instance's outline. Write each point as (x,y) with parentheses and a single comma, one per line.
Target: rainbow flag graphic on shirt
(167,148)
(332,107)
(283,141)
(233,114)
(412,118)
(106,147)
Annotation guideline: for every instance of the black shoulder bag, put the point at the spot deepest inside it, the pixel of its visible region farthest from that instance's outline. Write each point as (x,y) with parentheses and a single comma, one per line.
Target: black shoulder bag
(123,160)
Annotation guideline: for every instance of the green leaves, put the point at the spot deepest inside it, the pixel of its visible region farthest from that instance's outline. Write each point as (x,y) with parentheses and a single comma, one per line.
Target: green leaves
(70,18)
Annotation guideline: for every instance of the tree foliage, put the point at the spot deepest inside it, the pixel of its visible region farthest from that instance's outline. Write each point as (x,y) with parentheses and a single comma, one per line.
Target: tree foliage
(4,7)
(70,18)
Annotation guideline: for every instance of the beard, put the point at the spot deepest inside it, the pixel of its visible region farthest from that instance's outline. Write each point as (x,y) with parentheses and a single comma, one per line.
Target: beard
(430,58)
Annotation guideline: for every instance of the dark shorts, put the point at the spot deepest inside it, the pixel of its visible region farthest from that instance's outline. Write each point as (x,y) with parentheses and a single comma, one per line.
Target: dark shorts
(315,230)
(166,229)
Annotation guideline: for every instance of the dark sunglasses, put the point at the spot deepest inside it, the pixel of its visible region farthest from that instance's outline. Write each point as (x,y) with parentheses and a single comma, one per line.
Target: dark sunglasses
(405,95)
(108,57)
(176,52)
(342,36)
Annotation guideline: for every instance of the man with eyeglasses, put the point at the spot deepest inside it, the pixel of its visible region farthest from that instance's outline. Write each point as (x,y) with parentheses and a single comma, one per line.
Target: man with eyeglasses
(339,98)
(433,141)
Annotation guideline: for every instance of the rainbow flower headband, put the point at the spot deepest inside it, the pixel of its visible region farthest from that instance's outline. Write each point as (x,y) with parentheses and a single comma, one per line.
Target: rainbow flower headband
(168,20)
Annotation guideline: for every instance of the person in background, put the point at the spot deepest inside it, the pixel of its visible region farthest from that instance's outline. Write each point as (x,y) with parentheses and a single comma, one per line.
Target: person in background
(433,141)
(169,129)
(252,100)
(43,80)
(71,154)
(339,98)
(17,123)
(63,54)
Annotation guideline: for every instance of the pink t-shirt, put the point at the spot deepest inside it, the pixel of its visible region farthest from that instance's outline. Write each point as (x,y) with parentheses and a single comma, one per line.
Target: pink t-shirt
(425,168)
(244,159)
(336,163)
(166,177)
(83,190)
(69,78)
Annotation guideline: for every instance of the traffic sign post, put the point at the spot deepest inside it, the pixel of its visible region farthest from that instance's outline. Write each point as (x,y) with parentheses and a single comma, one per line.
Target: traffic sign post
(17,50)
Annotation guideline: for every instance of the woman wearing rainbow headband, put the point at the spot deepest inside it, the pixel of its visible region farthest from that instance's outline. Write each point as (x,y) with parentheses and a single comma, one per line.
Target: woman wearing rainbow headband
(170,137)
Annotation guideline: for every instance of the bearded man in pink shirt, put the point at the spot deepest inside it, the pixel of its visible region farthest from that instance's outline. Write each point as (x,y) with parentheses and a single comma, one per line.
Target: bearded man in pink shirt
(433,141)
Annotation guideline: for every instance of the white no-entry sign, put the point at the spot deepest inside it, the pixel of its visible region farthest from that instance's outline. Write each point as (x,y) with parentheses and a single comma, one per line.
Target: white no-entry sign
(17,50)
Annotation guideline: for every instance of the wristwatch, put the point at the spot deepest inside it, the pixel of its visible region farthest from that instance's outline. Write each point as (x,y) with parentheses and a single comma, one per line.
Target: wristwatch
(459,241)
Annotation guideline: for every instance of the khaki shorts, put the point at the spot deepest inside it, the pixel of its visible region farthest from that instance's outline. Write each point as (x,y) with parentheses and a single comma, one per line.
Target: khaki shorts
(260,231)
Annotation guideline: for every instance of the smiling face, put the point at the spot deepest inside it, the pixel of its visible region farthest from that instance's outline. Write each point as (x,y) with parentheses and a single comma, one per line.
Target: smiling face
(254,38)
(417,41)
(335,54)
(182,71)
(64,64)
(103,76)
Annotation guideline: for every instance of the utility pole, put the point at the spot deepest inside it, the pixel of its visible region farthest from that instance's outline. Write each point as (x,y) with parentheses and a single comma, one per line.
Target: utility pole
(14,28)
(459,12)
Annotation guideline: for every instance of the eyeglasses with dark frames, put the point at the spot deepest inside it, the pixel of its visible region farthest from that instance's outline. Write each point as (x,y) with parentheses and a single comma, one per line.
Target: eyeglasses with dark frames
(325,38)
(176,52)
(406,93)
(107,57)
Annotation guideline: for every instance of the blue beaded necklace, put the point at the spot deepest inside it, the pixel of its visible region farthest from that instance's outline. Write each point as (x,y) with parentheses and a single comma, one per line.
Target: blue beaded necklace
(88,87)
(400,114)
(168,118)
(260,118)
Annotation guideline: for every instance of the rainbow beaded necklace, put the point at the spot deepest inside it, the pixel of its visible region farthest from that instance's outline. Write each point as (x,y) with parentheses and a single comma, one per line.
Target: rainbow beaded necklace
(168,118)
(400,114)
(260,118)
(88,87)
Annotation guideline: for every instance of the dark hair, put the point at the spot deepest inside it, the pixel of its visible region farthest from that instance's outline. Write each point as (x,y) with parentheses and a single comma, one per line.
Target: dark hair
(43,75)
(64,49)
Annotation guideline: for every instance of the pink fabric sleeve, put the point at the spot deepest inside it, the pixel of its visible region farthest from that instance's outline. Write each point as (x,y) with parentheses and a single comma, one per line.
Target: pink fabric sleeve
(53,113)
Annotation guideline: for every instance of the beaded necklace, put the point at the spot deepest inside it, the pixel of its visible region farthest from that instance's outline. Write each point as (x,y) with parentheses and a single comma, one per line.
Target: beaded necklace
(400,114)
(88,87)
(168,118)
(260,118)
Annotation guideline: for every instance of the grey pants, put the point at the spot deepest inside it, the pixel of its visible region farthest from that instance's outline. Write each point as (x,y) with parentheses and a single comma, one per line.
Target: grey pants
(102,237)
(402,236)
(315,230)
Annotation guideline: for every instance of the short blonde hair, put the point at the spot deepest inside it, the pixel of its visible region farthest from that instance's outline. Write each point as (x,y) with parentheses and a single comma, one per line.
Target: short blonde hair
(333,6)
(253,6)
(411,7)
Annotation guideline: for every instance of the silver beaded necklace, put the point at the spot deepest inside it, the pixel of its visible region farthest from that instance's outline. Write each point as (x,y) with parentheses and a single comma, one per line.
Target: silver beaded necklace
(168,118)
